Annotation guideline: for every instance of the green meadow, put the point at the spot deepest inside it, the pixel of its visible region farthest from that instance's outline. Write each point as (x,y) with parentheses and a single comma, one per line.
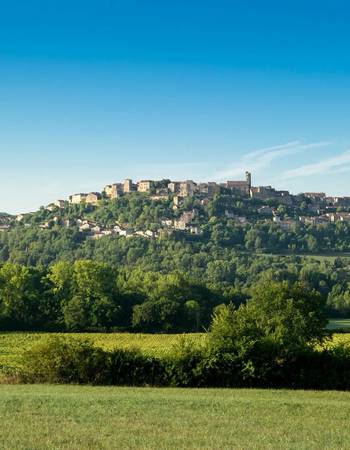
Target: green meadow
(35,417)
(339,324)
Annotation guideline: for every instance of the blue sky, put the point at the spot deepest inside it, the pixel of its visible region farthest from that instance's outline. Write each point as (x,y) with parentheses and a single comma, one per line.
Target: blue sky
(92,92)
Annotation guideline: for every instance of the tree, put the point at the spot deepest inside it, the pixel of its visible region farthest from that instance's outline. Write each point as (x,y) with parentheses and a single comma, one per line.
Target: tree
(157,315)
(88,294)
(280,317)
(22,297)
(193,314)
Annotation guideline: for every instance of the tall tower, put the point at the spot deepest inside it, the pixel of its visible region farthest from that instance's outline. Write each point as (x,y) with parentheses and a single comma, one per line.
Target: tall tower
(127,185)
(248,177)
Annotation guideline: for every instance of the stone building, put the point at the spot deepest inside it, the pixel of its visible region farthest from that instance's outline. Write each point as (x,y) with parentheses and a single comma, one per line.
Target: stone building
(144,185)
(174,187)
(75,199)
(337,217)
(284,197)
(185,220)
(243,187)
(213,189)
(93,198)
(177,201)
(183,188)
(262,192)
(208,189)
(286,224)
(114,190)
(59,203)
(187,188)
(4,227)
(128,186)
(268,192)
(338,201)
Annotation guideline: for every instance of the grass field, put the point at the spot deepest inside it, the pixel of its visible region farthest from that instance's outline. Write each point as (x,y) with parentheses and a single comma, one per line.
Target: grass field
(339,324)
(79,417)
(329,256)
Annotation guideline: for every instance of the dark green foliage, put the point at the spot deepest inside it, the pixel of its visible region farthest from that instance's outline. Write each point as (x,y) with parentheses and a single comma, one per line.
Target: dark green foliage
(90,295)
(270,341)
(184,365)
(279,316)
(24,300)
(62,360)
(167,284)
(224,256)
(59,360)
(280,322)
(93,296)
(132,368)
(156,315)
(220,233)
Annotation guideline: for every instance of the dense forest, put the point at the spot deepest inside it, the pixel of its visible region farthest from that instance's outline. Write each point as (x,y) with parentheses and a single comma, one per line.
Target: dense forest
(94,296)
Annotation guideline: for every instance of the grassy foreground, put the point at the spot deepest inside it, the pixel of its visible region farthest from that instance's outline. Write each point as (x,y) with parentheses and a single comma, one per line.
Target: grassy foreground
(72,417)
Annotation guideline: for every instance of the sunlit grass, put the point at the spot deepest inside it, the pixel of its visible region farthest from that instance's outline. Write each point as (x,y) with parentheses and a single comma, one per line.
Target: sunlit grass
(81,417)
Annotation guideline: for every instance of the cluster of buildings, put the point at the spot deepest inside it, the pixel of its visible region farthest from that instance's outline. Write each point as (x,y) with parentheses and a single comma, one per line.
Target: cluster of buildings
(317,207)
(158,190)
(188,188)
(312,220)
(94,230)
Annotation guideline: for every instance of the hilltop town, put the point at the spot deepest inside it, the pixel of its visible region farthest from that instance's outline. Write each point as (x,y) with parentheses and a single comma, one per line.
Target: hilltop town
(258,203)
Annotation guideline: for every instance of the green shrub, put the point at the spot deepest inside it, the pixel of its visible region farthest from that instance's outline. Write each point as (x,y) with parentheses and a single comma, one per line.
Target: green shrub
(62,360)
(183,364)
(318,369)
(133,368)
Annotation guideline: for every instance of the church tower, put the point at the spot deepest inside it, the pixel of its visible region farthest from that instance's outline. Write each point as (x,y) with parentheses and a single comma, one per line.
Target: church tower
(248,177)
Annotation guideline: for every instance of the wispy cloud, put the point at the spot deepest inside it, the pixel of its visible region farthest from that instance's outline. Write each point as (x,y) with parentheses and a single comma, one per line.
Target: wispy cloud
(336,164)
(262,158)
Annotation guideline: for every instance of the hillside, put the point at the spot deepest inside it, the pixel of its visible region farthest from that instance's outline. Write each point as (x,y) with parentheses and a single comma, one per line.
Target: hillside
(228,221)
(226,243)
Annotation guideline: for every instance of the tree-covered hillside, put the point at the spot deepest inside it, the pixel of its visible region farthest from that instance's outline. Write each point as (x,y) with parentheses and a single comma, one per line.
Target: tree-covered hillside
(136,228)
(224,245)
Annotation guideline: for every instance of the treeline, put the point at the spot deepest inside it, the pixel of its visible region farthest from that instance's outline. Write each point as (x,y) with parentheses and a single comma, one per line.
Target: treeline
(93,296)
(88,295)
(275,339)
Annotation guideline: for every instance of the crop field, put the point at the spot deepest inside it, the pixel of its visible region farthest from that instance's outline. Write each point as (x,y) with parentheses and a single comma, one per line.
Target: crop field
(12,345)
(339,324)
(38,417)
